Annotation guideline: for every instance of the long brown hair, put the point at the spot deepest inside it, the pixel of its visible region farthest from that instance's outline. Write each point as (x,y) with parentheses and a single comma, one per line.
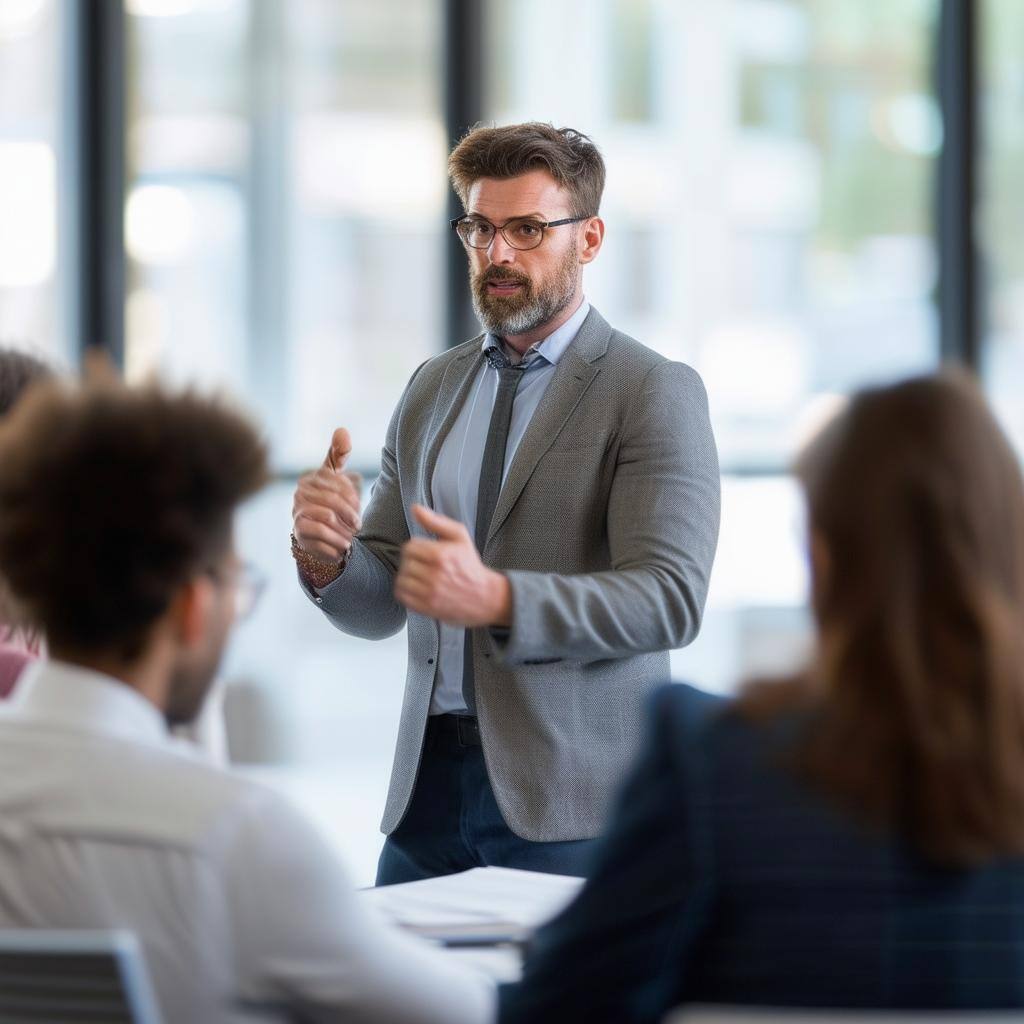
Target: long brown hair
(916,498)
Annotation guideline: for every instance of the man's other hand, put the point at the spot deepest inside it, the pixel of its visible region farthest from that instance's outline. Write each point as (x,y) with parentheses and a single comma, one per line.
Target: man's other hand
(445,579)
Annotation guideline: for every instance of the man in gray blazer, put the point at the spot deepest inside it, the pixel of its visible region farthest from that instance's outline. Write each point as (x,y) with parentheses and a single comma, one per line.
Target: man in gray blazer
(544,523)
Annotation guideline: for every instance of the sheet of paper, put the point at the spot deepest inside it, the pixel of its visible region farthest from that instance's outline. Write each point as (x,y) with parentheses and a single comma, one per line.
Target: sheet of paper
(481,905)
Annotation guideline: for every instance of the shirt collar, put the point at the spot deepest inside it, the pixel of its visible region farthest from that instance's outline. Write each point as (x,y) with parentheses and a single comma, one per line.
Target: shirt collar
(553,347)
(71,697)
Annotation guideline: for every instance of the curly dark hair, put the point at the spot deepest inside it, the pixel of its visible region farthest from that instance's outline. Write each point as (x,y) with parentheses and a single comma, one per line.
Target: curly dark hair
(110,499)
(513,149)
(17,371)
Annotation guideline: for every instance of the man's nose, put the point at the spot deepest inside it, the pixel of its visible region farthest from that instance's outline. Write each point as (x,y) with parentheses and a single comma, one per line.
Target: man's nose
(500,251)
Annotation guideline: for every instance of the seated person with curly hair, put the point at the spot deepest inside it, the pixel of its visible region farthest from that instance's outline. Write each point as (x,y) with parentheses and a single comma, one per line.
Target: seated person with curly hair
(116,513)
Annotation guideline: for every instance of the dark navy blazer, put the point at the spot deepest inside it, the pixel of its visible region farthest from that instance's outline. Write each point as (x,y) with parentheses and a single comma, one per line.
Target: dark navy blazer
(725,880)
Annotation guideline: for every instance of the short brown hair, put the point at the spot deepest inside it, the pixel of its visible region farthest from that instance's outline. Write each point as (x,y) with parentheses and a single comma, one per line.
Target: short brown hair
(513,149)
(918,684)
(110,499)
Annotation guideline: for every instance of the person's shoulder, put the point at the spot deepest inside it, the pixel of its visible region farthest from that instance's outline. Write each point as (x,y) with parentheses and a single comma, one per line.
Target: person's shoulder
(436,365)
(631,359)
(684,711)
(688,717)
(227,814)
(426,378)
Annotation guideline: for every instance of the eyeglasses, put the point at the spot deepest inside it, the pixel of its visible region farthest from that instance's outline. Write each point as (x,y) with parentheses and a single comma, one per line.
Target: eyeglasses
(248,583)
(520,232)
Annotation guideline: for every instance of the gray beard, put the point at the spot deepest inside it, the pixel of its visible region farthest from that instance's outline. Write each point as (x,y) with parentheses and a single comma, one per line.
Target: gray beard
(536,311)
(521,321)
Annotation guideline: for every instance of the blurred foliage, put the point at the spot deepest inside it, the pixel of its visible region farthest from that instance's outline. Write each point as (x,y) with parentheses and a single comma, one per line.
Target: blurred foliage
(860,62)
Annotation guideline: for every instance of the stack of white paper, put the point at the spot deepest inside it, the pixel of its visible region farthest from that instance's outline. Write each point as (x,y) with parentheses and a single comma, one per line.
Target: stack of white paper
(478,907)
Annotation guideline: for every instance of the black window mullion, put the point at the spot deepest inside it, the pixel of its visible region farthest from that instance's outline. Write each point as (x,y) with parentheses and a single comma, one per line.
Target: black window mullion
(463,107)
(958,299)
(93,181)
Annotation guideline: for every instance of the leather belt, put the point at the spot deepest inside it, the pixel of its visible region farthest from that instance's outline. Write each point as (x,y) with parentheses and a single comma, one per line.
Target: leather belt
(463,729)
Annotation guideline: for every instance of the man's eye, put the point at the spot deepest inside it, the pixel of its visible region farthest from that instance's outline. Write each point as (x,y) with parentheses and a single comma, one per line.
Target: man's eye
(528,229)
(482,228)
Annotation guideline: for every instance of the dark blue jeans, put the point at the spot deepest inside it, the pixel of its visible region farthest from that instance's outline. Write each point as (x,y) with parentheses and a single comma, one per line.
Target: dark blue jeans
(453,822)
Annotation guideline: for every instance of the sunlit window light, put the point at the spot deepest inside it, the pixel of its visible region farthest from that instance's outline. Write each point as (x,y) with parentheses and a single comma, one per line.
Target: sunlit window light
(19,17)
(159,8)
(159,224)
(28,213)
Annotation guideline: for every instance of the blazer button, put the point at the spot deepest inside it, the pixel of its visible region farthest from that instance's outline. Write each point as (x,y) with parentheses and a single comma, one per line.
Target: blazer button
(430,661)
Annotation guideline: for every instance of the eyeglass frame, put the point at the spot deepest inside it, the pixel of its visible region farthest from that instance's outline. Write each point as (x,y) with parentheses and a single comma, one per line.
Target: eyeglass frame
(500,229)
(248,581)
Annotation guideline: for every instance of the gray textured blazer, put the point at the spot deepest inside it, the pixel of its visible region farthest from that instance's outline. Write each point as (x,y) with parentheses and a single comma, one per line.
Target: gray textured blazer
(606,528)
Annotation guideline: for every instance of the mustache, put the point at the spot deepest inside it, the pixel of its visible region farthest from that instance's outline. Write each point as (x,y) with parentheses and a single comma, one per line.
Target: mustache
(496,274)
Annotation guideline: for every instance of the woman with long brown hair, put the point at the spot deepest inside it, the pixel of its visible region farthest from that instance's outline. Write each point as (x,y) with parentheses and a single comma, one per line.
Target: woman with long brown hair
(852,836)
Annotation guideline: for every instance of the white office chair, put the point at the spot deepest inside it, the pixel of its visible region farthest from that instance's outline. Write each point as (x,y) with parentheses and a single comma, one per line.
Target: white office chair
(773,1015)
(74,977)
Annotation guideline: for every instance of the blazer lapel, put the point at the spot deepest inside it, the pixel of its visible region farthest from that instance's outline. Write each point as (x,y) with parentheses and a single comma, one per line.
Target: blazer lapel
(451,395)
(573,375)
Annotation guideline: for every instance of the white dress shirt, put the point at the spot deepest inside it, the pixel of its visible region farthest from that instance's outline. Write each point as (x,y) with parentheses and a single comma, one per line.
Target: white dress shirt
(242,910)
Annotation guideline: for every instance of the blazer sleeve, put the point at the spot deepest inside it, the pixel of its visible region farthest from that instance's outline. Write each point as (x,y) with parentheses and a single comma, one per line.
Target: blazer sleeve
(361,601)
(619,952)
(662,523)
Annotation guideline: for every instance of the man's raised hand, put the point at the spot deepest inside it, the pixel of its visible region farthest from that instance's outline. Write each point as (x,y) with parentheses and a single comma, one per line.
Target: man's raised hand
(325,510)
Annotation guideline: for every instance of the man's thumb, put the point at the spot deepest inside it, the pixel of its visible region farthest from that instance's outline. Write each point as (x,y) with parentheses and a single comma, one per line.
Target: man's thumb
(440,526)
(340,450)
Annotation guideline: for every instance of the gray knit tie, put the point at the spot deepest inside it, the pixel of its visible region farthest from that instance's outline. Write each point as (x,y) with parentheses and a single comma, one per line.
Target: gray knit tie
(491,470)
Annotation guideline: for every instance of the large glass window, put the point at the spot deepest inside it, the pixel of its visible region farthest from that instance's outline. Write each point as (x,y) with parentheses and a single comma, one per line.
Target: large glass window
(286,205)
(769,197)
(185,216)
(770,221)
(285,230)
(30,133)
(1002,208)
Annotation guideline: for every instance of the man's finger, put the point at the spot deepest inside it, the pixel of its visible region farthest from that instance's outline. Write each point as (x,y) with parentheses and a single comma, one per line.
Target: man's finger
(411,594)
(439,525)
(336,483)
(325,517)
(336,503)
(422,552)
(417,572)
(308,533)
(340,450)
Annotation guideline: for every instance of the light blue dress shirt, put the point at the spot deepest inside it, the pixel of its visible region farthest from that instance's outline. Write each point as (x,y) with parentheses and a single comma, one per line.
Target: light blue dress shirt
(456,479)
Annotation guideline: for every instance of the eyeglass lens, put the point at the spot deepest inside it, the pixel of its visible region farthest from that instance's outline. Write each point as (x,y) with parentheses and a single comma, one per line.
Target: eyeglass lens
(521,233)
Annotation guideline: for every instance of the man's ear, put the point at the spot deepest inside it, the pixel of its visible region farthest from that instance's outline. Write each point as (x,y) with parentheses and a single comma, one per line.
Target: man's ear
(191,608)
(591,239)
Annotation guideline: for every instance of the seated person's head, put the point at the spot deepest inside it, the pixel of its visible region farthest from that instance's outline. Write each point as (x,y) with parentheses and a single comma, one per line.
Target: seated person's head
(916,518)
(116,511)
